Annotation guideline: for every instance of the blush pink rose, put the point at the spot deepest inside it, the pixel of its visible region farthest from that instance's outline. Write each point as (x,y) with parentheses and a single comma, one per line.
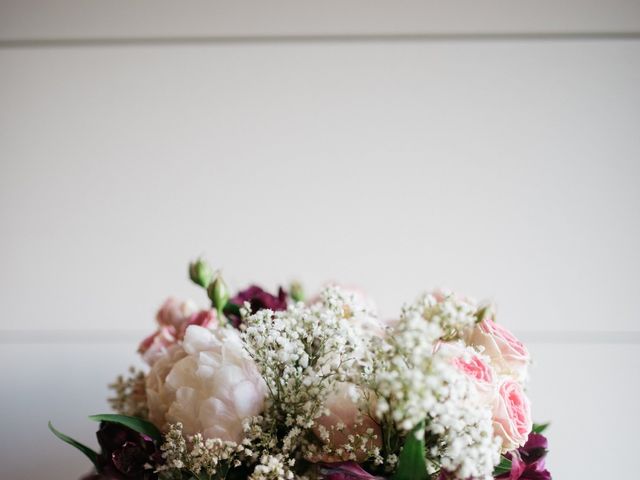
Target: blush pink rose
(508,355)
(475,366)
(173,318)
(512,415)
(478,370)
(156,345)
(344,411)
(204,318)
(173,312)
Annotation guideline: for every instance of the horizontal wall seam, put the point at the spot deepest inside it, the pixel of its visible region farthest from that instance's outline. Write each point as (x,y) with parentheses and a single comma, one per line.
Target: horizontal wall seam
(315,38)
(21,337)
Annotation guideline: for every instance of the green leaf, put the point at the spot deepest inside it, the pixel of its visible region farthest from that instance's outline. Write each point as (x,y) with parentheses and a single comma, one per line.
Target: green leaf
(134,423)
(412,464)
(503,467)
(201,476)
(91,455)
(539,427)
(231,309)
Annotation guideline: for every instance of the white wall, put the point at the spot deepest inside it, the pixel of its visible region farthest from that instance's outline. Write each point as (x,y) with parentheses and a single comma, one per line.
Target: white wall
(503,166)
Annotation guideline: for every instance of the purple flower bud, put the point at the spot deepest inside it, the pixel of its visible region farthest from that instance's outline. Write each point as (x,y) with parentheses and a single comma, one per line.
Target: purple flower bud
(528,461)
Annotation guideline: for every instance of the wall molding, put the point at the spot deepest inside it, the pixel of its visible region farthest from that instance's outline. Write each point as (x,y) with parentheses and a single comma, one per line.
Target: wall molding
(87,336)
(315,39)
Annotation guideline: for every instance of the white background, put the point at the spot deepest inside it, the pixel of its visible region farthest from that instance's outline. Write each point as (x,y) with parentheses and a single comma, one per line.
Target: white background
(488,148)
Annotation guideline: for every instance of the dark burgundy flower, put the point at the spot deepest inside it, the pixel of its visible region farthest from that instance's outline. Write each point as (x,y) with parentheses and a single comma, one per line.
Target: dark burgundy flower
(444,475)
(259,300)
(124,454)
(99,476)
(528,461)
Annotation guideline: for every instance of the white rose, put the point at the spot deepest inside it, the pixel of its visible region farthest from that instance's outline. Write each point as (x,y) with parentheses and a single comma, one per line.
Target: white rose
(209,384)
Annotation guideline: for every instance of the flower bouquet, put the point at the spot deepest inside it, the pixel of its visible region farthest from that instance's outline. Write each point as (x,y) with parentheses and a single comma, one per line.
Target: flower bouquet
(262,386)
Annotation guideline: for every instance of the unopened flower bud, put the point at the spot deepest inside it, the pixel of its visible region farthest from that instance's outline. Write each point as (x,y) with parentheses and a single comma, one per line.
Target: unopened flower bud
(296,292)
(200,273)
(485,311)
(218,293)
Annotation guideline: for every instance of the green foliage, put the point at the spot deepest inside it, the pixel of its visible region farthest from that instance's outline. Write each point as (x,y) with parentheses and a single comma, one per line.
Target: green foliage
(174,475)
(411,463)
(231,309)
(91,455)
(134,423)
(200,273)
(201,476)
(503,467)
(539,427)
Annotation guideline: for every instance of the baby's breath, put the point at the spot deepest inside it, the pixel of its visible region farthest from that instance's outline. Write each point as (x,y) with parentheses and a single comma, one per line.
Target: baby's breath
(130,394)
(272,467)
(400,380)
(200,456)
(415,383)
(301,353)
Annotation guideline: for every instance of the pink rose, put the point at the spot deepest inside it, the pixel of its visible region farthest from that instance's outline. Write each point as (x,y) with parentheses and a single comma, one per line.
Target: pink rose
(204,318)
(511,415)
(345,418)
(174,312)
(173,318)
(508,355)
(475,366)
(478,370)
(155,345)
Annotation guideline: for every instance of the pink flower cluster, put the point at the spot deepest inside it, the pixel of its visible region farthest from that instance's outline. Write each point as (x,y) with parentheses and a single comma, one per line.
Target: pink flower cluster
(488,354)
(267,386)
(497,365)
(173,319)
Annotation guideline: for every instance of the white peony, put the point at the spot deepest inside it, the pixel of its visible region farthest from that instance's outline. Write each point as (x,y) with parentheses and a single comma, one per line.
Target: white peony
(209,384)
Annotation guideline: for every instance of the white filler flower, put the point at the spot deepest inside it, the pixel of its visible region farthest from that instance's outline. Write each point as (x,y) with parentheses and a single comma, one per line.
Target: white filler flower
(209,384)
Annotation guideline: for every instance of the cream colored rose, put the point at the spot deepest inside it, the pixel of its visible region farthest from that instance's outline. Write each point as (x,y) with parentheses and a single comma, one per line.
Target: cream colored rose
(508,355)
(208,384)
